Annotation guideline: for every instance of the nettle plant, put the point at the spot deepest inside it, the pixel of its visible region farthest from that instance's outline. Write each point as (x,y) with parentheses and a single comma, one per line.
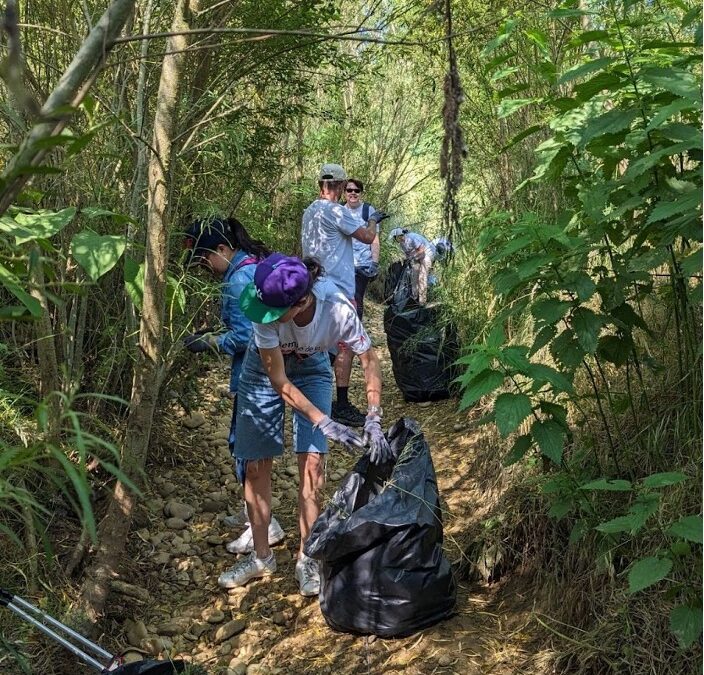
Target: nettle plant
(624,155)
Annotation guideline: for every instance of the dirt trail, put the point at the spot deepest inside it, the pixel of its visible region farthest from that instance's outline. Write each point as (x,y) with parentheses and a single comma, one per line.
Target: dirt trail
(273,629)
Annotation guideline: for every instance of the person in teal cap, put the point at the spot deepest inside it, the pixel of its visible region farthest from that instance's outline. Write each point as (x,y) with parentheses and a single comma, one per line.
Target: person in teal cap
(298,315)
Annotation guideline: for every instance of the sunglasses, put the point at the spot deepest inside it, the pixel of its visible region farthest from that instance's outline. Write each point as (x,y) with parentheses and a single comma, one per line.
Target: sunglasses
(354,190)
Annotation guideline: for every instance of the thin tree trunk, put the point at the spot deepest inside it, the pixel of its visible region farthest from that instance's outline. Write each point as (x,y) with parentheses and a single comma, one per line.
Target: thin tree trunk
(148,372)
(49,380)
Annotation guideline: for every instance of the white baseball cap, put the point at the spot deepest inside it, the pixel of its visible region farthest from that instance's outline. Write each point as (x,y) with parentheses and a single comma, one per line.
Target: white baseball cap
(397,232)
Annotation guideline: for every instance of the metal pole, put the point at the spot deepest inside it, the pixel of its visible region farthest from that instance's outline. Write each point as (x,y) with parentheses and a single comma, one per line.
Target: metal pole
(57,624)
(58,638)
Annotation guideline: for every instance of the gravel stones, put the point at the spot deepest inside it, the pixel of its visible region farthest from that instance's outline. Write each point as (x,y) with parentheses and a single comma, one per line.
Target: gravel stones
(226,631)
(176,524)
(176,509)
(193,421)
(213,615)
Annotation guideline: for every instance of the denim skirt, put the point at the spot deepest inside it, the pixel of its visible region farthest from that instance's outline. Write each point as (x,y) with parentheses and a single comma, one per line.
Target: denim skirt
(259,428)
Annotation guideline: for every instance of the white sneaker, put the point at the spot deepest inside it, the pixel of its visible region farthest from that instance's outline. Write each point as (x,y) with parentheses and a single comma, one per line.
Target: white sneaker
(245,542)
(308,576)
(248,568)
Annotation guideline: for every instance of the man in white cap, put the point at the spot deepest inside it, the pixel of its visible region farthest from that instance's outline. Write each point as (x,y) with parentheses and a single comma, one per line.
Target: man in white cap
(328,229)
(421,254)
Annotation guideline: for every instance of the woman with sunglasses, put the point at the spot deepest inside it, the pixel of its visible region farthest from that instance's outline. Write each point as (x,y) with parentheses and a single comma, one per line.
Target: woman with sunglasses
(298,315)
(366,256)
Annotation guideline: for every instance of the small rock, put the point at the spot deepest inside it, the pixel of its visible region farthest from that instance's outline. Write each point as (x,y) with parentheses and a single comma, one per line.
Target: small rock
(237,667)
(210,506)
(226,631)
(176,524)
(212,615)
(176,509)
(136,632)
(425,404)
(275,503)
(213,540)
(162,558)
(279,619)
(445,660)
(152,645)
(291,471)
(170,628)
(166,488)
(199,628)
(458,426)
(194,420)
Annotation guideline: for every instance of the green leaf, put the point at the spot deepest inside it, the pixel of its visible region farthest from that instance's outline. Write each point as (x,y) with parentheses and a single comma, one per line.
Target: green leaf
(580,529)
(542,338)
(585,69)
(566,350)
(510,410)
(680,82)
(692,264)
(521,136)
(520,447)
(134,281)
(682,204)
(515,357)
(12,284)
(511,105)
(581,284)
(689,528)
(40,225)
(550,310)
(608,485)
(615,349)
(586,326)
(608,123)
(658,480)
(600,82)
(666,112)
(627,317)
(647,572)
(549,436)
(484,383)
(647,162)
(568,13)
(676,131)
(561,508)
(631,523)
(97,254)
(540,39)
(686,624)
(541,374)
(588,36)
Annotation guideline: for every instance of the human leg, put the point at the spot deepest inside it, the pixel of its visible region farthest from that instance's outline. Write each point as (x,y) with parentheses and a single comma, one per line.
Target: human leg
(344,411)
(360,288)
(423,271)
(415,274)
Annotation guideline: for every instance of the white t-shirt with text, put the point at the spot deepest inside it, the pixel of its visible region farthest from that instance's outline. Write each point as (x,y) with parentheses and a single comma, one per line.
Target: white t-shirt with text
(335,322)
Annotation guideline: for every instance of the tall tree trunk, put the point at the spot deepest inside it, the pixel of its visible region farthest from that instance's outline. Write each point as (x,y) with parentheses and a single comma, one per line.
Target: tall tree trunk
(148,372)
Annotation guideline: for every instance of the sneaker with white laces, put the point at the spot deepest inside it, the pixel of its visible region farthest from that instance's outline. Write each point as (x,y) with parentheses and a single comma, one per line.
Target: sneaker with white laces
(245,542)
(308,576)
(248,568)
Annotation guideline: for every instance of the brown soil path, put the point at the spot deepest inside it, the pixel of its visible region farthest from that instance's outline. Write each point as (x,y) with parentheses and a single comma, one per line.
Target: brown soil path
(275,630)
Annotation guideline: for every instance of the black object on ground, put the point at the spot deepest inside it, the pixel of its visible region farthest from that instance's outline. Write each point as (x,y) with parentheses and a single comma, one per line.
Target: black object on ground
(422,351)
(94,655)
(379,543)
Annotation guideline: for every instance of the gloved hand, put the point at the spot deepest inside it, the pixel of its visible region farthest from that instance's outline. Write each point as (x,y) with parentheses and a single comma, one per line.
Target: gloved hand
(199,342)
(378,216)
(379,449)
(340,433)
(370,270)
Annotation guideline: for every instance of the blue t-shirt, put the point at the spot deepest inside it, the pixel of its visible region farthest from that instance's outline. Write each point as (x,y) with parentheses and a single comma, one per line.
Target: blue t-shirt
(239,328)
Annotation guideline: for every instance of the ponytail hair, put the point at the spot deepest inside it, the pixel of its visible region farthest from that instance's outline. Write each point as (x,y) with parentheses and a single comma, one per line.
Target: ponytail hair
(239,238)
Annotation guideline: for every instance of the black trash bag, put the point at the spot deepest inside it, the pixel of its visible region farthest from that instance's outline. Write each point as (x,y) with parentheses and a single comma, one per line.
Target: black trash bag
(391,278)
(149,667)
(422,352)
(379,544)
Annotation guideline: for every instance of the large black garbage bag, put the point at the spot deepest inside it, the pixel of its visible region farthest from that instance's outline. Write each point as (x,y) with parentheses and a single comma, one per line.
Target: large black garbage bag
(422,351)
(379,543)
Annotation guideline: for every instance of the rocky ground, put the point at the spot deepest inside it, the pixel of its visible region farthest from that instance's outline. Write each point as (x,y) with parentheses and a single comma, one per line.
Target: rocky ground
(168,601)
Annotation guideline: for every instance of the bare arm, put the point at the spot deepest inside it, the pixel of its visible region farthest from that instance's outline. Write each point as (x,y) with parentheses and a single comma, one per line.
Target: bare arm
(273,361)
(372,376)
(376,247)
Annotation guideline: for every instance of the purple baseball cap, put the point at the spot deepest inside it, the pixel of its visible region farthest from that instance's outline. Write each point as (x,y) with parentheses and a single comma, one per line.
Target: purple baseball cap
(280,281)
